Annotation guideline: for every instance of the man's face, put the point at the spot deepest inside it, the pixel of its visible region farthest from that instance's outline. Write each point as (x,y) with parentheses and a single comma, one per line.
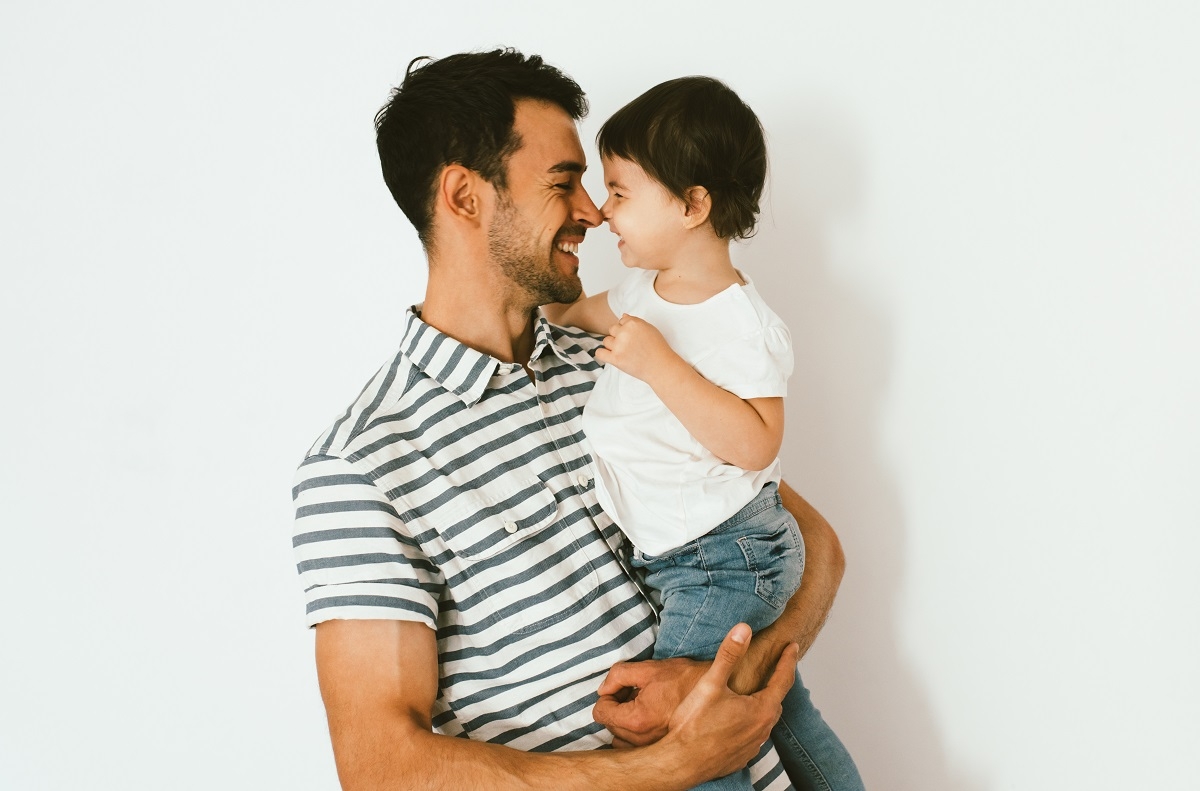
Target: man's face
(544,213)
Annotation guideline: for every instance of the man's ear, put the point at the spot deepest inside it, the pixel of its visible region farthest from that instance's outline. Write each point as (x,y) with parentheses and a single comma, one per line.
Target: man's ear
(697,205)
(459,193)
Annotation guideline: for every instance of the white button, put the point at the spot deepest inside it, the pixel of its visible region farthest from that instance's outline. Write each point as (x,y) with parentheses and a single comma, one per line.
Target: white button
(510,527)
(582,480)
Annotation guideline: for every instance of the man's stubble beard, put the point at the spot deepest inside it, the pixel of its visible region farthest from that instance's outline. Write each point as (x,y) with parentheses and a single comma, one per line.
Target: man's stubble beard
(514,246)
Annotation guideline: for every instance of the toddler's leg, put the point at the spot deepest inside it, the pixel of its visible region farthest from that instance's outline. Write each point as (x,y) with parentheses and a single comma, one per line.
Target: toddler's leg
(692,617)
(743,571)
(812,754)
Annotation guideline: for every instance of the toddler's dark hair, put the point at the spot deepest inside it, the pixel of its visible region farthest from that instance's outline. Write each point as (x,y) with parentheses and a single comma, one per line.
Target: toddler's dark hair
(695,131)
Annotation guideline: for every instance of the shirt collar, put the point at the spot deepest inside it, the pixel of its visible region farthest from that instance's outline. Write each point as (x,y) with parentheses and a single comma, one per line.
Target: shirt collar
(562,342)
(465,371)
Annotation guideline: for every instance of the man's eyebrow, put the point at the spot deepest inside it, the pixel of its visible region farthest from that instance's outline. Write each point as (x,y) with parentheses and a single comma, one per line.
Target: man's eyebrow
(567,166)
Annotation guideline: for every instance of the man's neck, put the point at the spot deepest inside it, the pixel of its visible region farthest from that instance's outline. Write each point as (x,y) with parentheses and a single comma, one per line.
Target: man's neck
(484,315)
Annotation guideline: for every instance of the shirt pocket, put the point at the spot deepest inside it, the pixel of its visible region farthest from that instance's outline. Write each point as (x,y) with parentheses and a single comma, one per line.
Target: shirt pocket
(636,395)
(482,523)
(516,570)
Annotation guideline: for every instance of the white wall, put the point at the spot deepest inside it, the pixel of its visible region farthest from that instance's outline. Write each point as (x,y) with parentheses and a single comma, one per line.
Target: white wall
(984,230)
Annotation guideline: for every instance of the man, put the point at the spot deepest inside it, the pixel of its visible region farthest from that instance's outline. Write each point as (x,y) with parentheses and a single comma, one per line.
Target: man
(461,576)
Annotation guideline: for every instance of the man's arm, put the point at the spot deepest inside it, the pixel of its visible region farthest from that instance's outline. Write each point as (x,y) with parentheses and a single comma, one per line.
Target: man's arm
(807,610)
(661,685)
(379,681)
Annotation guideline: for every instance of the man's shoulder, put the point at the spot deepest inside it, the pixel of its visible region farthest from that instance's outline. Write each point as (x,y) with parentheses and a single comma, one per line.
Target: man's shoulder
(377,399)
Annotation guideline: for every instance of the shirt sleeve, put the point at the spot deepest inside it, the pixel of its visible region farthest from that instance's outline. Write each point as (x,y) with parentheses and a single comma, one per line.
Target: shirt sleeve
(755,366)
(624,294)
(352,551)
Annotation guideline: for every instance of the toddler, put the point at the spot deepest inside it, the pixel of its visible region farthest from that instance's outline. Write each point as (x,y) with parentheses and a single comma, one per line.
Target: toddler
(686,420)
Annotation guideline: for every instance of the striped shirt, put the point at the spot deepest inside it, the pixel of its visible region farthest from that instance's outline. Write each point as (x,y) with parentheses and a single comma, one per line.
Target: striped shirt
(458,493)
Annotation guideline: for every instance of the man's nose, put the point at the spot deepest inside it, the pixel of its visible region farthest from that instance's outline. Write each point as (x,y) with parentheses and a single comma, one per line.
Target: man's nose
(585,211)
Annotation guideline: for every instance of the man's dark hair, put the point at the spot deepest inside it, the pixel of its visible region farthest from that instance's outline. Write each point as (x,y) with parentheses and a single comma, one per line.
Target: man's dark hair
(695,131)
(460,110)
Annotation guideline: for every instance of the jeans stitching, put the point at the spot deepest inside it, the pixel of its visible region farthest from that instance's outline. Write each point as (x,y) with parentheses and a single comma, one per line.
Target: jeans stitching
(683,637)
(814,770)
(749,511)
(747,548)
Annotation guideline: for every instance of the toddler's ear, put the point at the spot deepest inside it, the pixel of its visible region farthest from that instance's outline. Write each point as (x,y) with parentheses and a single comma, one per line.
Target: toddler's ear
(697,207)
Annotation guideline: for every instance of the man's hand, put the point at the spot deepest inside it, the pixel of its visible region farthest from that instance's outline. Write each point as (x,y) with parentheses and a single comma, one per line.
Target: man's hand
(637,347)
(638,699)
(720,730)
(759,663)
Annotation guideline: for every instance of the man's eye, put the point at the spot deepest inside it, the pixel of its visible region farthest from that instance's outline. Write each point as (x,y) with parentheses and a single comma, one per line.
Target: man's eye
(565,186)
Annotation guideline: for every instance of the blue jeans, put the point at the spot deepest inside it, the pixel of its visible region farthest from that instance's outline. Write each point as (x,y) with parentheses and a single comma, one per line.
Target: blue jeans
(746,569)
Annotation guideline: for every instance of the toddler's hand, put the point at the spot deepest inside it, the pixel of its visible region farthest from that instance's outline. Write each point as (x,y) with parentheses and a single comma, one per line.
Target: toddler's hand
(637,348)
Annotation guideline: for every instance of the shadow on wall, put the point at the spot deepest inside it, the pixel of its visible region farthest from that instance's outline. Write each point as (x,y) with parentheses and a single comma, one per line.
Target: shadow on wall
(833,453)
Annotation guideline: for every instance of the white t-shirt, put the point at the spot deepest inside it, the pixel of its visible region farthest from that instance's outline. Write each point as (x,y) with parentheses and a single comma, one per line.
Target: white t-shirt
(653,478)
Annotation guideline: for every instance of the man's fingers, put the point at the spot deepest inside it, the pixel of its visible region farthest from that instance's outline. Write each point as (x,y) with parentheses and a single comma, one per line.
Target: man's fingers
(605,709)
(613,712)
(624,738)
(628,721)
(784,676)
(732,649)
(622,675)
(632,737)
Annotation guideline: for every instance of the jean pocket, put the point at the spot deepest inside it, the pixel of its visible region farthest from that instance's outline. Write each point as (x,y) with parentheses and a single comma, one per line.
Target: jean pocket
(776,557)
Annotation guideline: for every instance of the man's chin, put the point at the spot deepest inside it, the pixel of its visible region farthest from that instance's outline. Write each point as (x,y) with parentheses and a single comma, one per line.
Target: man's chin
(566,295)
(566,288)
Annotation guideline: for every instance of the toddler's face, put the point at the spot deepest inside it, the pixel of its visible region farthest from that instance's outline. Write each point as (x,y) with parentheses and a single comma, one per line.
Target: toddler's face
(648,220)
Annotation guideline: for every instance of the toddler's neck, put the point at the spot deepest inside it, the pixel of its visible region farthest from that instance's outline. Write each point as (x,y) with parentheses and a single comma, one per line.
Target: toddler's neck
(698,275)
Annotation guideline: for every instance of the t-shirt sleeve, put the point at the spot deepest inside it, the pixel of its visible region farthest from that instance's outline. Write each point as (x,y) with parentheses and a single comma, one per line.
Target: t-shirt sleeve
(353,554)
(624,296)
(755,366)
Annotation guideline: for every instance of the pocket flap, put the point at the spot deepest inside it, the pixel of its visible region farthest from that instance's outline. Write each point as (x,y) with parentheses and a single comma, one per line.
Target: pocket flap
(482,524)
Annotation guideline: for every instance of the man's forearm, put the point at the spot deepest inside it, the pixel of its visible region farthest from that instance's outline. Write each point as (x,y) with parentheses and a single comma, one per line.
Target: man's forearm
(807,610)
(432,762)
(380,744)
(823,568)
(380,725)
